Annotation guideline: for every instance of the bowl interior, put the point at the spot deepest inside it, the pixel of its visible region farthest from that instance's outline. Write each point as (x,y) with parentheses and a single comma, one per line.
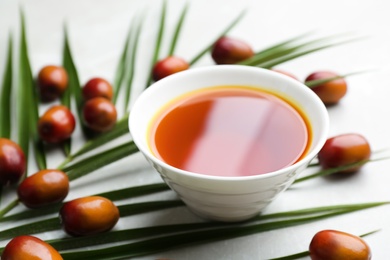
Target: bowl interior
(163,91)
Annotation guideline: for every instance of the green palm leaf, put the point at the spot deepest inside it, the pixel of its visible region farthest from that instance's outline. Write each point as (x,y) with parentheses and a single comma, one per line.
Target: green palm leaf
(120,129)
(120,69)
(285,48)
(8,207)
(5,101)
(73,79)
(53,223)
(224,32)
(158,42)
(74,88)
(297,52)
(204,232)
(131,66)
(23,91)
(313,83)
(28,106)
(177,31)
(33,111)
(31,228)
(97,161)
(219,231)
(331,171)
(272,50)
(114,195)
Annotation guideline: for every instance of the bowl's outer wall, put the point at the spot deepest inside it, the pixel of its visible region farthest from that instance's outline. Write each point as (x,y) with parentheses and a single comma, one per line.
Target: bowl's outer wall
(227,198)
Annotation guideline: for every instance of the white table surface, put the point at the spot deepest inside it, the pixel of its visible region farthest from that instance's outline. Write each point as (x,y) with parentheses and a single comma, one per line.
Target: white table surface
(97,30)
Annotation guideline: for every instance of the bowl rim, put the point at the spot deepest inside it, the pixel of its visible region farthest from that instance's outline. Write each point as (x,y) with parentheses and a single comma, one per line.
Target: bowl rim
(226,68)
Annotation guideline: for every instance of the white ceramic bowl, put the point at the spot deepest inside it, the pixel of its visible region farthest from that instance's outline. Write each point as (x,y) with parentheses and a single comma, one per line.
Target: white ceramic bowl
(227,198)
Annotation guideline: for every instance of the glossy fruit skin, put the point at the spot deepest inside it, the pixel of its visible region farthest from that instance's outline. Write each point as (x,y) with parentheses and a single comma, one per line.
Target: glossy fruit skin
(329,92)
(43,188)
(88,215)
(336,245)
(168,66)
(52,82)
(12,162)
(97,87)
(344,149)
(228,50)
(56,124)
(31,248)
(99,114)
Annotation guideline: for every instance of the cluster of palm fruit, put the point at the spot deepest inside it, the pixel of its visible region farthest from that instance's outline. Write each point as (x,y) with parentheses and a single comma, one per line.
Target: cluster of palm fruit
(94,214)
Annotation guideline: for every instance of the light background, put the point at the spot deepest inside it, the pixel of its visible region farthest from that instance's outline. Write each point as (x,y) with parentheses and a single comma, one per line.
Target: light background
(97,31)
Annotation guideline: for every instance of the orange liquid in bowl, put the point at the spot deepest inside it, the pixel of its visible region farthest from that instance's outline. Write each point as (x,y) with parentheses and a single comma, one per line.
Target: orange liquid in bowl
(230,131)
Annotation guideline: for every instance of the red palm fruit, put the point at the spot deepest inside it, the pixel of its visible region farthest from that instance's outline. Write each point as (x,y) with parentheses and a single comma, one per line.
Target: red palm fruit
(97,87)
(88,215)
(99,114)
(336,245)
(329,92)
(52,81)
(56,124)
(168,66)
(43,188)
(343,150)
(229,50)
(29,247)
(12,162)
